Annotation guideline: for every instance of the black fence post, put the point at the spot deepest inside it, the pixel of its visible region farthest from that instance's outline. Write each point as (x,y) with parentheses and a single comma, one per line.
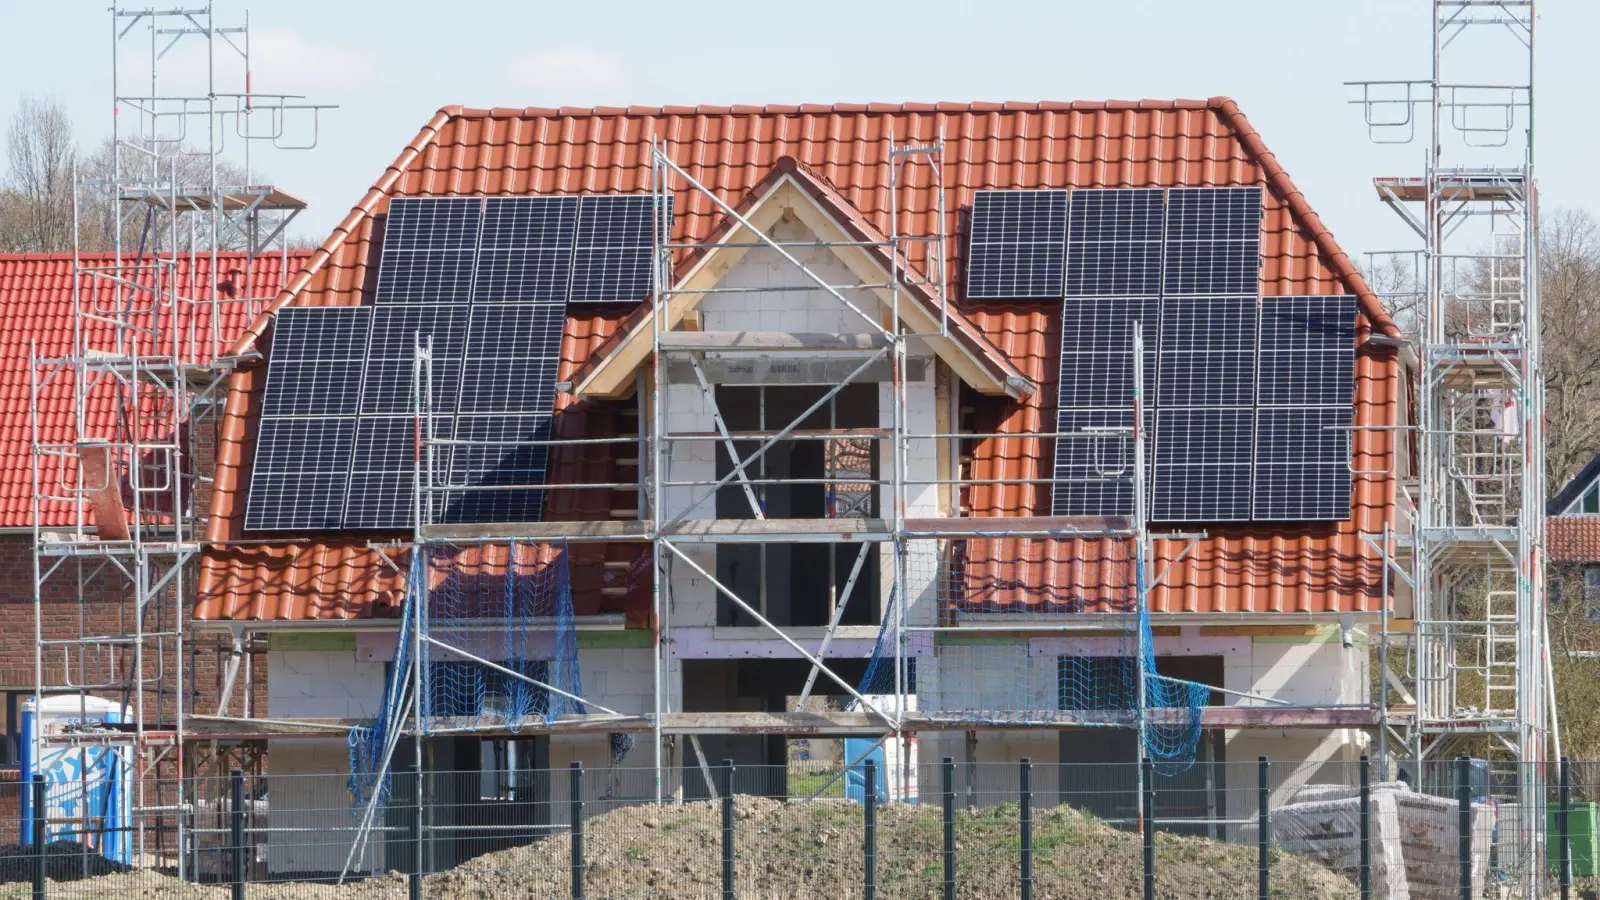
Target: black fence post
(414,879)
(1025,790)
(1564,827)
(236,831)
(1464,824)
(727,829)
(869,846)
(577,830)
(1364,874)
(40,811)
(949,828)
(1147,819)
(1263,831)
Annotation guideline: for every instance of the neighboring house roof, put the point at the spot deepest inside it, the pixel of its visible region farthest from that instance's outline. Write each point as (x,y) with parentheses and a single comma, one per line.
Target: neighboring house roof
(1574,488)
(1570,539)
(36,319)
(1312,569)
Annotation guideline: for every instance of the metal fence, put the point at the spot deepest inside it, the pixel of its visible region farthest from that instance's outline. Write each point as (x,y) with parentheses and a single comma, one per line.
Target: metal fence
(817,829)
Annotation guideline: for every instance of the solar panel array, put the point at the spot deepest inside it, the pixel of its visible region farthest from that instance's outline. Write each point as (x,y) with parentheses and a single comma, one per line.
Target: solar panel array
(486,282)
(1018,246)
(308,417)
(1248,400)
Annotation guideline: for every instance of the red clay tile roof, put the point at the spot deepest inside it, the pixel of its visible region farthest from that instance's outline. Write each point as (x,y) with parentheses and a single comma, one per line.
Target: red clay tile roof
(1313,569)
(1572,538)
(36,317)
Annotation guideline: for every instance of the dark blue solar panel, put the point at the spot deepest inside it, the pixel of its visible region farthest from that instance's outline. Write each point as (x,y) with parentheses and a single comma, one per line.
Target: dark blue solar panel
(526,251)
(1114,243)
(1208,352)
(383,469)
(512,359)
(614,257)
(299,474)
(1017,244)
(1202,467)
(430,246)
(498,452)
(1097,350)
(1308,351)
(1093,472)
(1213,241)
(391,362)
(315,364)
(1303,464)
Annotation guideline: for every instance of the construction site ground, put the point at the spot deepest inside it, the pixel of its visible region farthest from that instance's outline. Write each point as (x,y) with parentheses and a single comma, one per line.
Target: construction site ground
(803,851)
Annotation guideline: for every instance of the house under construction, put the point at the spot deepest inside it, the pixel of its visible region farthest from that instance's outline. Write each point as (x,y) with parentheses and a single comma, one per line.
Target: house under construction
(647,437)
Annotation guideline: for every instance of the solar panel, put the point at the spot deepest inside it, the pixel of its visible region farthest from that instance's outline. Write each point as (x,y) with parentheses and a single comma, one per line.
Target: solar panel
(1308,351)
(504,457)
(512,359)
(1017,244)
(1093,472)
(299,474)
(391,359)
(1208,352)
(1303,464)
(1213,241)
(613,259)
(430,246)
(1202,465)
(526,251)
(315,368)
(383,470)
(1114,242)
(1097,350)
(1305,408)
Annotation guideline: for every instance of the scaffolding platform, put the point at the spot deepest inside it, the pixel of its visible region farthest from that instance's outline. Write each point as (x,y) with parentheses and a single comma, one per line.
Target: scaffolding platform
(228,199)
(732,531)
(1462,186)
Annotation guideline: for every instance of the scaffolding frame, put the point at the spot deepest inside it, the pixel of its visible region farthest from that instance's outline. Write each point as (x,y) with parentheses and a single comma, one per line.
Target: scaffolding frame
(149,346)
(1474,673)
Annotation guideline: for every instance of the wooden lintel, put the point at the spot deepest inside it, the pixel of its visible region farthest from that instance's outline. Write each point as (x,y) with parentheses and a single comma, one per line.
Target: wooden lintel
(770,340)
(1259,630)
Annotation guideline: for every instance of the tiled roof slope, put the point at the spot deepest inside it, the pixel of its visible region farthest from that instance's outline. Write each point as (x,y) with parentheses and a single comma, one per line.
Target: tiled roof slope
(1318,569)
(36,318)
(1573,539)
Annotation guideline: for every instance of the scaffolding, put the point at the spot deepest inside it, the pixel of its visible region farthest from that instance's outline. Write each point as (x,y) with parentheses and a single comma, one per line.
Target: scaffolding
(117,499)
(1473,675)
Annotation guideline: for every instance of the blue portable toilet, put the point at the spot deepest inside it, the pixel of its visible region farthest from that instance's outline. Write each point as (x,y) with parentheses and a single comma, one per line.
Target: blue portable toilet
(86,785)
(856,754)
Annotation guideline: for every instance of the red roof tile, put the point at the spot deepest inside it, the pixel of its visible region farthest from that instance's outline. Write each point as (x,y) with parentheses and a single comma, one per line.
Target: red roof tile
(1572,538)
(1318,569)
(36,318)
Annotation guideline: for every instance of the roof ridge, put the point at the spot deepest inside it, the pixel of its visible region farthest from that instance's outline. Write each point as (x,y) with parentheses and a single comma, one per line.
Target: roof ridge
(67,255)
(508,112)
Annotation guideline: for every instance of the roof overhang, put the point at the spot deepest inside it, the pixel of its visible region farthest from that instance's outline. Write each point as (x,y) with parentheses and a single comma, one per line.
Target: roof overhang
(794,194)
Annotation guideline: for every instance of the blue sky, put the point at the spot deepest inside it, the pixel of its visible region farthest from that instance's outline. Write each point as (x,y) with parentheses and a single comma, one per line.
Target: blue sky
(389,65)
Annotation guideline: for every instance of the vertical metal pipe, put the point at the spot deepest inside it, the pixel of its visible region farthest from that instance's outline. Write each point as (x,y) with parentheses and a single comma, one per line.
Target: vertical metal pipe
(1263,831)
(1364,874)
(40,812)
(414,877)
(1464,825)
(236,832)
(1025,801)
(1147,822)
(576,801)
(869,841)
(727,829)
(948,768)
(1564,829)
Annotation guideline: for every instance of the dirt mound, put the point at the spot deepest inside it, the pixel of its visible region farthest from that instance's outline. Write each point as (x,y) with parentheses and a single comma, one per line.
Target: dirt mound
(813,851)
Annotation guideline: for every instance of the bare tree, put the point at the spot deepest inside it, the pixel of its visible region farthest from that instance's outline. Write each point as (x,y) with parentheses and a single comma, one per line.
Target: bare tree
(1569,273)
(40,153)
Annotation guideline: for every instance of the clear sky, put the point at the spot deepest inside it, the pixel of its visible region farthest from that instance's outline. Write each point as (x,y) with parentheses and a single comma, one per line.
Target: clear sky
(390,65)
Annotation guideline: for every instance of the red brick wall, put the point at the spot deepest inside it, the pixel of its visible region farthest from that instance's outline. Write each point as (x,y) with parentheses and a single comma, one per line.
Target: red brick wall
(87,597)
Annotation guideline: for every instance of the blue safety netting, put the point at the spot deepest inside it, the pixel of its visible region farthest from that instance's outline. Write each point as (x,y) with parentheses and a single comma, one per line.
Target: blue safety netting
(503,651)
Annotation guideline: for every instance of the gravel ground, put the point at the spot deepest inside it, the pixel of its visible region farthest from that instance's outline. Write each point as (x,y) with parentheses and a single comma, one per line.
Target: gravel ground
(807,851)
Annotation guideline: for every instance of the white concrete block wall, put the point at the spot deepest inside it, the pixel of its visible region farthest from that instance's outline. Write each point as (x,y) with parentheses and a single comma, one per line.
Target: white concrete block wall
(996,675)
(322,684)
(694,600)
(315,806)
